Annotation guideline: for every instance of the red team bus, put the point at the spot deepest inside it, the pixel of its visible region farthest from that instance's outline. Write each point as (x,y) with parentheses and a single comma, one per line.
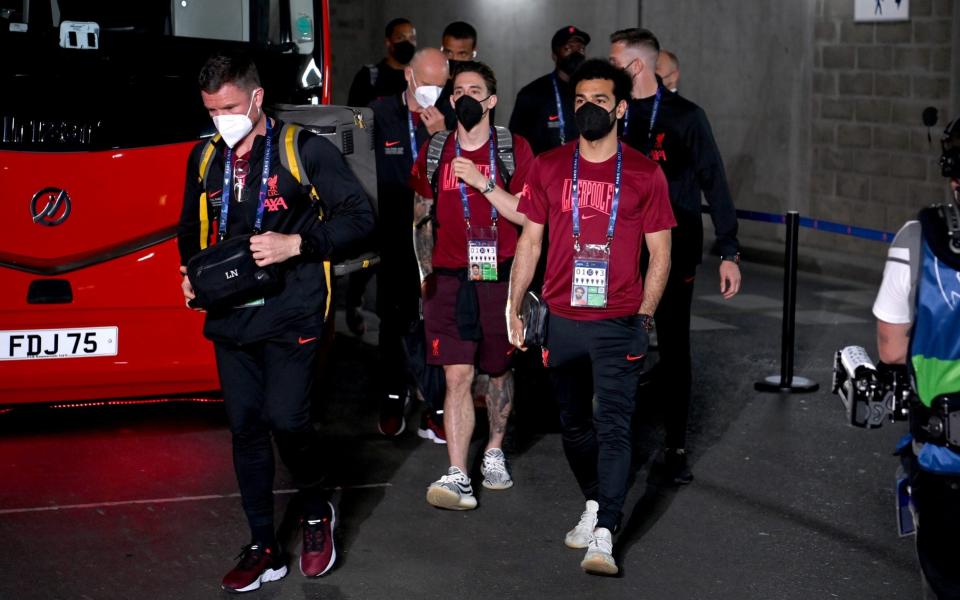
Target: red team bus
(99,110)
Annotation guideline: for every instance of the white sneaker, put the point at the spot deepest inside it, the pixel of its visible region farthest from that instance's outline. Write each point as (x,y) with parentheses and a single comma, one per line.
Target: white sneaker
(494,469)
(452,491)
(581,535)
(599,558)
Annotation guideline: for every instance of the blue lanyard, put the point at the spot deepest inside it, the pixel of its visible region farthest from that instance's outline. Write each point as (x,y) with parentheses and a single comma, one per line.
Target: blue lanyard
(493,176)
(576,197)
(653,114)
(563,126)
(228,180)
(413,136)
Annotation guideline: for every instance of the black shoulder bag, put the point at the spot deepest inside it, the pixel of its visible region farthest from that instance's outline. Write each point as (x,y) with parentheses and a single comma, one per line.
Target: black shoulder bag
(534,314)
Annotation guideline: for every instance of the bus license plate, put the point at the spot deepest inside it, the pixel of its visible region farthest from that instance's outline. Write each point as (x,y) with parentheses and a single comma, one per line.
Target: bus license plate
(30,344)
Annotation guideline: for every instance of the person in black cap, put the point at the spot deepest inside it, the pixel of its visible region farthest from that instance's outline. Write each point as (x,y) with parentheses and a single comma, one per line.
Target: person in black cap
(543,112)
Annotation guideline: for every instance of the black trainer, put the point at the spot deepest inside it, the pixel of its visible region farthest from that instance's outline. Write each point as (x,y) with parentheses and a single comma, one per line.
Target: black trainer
(675,469)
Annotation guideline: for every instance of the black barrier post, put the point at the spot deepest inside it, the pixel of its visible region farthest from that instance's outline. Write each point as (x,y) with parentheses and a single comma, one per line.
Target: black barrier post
(787,381)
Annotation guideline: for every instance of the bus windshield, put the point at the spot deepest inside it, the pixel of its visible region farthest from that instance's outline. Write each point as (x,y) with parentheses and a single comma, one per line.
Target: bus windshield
(127,75)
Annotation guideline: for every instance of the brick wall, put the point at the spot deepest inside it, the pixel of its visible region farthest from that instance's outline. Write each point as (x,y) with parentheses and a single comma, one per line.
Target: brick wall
(873,165)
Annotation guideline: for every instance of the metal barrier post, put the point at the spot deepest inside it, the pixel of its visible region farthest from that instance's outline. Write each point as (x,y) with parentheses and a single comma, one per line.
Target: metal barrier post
(787,382)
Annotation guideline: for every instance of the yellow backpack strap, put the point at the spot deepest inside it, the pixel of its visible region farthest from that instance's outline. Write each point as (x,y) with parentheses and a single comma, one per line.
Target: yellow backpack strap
(290,159)
(205,157)
(327,268)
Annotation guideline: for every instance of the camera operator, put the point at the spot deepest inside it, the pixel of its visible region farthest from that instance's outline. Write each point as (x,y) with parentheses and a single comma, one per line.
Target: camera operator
(917,326)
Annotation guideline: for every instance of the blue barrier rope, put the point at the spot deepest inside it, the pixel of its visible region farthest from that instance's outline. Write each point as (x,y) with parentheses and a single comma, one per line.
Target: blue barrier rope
(820,225)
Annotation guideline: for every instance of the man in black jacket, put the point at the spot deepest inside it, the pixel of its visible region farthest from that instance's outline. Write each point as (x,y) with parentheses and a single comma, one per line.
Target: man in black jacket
(372,82)
(404,122)
(543,112)
(266,349)
(675,132)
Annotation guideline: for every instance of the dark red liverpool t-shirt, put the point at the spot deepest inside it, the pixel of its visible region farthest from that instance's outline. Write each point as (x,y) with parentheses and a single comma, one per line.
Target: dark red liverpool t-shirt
(450,243)
(644,208)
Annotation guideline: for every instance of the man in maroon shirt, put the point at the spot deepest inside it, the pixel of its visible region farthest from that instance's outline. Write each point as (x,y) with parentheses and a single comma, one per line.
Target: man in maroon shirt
(475,217)
(602,201)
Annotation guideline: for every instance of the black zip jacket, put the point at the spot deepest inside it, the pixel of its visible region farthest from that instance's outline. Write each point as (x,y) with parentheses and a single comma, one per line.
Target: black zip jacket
(682,143)
(388,81)
(535,115)
(347,221)
(398,278)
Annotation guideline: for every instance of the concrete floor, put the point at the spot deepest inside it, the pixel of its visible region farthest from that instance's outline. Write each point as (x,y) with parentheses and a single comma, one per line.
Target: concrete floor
(788,502)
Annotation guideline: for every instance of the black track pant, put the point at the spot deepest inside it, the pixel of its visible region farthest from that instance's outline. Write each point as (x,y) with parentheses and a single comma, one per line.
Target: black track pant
(673,343)
(397,307)
(597,442)
(267,388)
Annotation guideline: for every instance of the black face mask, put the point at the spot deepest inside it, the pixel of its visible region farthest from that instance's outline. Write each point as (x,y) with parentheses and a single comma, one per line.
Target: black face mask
(403,52)
(594,122)
(469,111)
(568,64)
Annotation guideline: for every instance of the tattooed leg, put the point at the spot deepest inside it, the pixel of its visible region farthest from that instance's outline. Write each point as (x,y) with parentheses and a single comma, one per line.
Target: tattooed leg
(499,405)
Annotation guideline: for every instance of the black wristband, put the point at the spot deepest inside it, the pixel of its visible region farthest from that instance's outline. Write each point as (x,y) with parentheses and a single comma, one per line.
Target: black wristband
(646,321)
(734,258)
(306,248)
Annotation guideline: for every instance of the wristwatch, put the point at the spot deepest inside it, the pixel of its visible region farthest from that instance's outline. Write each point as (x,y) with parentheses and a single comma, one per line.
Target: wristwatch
(645,321)
(306,248)
(491,185)
(734,258)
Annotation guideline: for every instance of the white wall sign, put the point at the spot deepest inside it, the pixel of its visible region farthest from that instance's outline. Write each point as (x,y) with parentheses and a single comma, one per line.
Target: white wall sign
(881,10)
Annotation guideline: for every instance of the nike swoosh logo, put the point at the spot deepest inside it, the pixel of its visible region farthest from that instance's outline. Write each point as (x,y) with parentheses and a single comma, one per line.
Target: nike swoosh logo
(632,357)
(554,117)
(585,217)
(303,341)
(390,144)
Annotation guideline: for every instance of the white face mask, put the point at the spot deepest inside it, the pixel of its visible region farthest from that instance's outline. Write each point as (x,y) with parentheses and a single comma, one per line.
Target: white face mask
(426,95)
(234,128)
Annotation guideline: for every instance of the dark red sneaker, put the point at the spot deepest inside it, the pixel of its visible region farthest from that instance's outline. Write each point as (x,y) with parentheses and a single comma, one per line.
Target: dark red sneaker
(319,552)
(432,429)
(257,565)
(393,411)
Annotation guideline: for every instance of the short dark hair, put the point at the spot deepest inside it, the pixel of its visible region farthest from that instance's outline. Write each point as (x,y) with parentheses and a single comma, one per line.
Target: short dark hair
(596,68)
(228,66)
(460,30)
(388,30)
(481,69)
(636,37)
